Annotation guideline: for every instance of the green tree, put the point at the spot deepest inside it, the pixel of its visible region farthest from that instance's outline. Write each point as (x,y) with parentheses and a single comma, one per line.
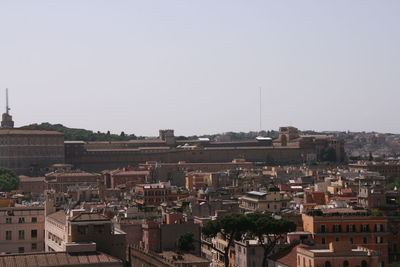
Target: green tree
(230,227)
(8,180)
(185,242)
(269,231)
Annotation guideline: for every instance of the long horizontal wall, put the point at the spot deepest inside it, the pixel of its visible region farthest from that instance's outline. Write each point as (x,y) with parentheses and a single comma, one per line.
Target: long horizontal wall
(103,159)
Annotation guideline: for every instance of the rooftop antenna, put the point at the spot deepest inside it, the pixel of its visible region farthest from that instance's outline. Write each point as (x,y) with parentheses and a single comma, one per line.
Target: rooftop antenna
(7,107)
(260,111)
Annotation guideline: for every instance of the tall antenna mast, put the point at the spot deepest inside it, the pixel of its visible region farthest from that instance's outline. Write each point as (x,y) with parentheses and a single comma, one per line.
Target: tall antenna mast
(260,112)
(7,107)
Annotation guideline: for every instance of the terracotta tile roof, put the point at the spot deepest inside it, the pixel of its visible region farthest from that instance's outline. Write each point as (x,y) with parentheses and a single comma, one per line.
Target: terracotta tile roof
(58,216)
(23,178)
(73,173)
(55,259)
(130,172)
(83,217)
(287,256)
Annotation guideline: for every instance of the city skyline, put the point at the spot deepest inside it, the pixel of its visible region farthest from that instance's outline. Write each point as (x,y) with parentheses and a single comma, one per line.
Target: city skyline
(197,68)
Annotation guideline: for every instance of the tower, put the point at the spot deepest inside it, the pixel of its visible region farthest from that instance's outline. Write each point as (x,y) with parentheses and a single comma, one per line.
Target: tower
(7,121)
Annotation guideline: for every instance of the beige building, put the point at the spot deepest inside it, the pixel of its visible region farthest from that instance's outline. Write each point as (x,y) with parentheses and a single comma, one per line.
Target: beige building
(271,201)
(21,229)
(59,181)
(338,254)
(80,231)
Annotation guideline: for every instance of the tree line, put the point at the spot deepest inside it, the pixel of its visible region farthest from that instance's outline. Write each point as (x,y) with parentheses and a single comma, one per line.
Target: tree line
(234,227)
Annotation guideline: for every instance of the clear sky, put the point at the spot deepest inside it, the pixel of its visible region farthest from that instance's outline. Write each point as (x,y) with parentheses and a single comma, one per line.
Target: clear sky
(196,66)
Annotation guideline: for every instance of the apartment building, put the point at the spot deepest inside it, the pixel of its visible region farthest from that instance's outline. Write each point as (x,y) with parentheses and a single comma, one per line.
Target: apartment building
(338,254)
(256,201)
(155,194)
(21,229)
(79,231)
(347,225)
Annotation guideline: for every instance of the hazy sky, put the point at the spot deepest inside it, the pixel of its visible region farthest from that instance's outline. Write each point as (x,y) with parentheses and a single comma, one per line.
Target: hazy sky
(196,66)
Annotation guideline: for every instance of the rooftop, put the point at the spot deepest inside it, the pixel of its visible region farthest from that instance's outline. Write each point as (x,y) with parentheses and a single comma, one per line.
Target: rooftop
(56,259)
(58,216)
(84,217)
(27,132)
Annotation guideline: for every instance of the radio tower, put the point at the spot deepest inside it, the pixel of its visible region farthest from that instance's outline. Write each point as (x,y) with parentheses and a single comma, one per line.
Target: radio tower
(7,121)
(260,112)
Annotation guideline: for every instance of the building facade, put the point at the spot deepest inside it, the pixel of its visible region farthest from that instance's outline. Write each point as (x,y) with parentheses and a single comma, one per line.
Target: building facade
(30,151)
(21,229)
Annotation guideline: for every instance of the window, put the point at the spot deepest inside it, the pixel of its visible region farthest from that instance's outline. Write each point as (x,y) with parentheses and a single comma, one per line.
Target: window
(379,228)
(34,233)
(364,264)
(8,235)
(323,228)
(351,240)
(323,241)
(364,228)
(21,250)
(34,219)
(21,220)
(379,240)
(337,239)
(345,264)
(8,220)
(327,264)
(337,228)
(365,240)
(351,228)
(21,234)
(34,246)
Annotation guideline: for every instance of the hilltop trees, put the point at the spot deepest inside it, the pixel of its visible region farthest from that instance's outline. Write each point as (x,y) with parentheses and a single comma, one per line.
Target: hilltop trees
(8,180)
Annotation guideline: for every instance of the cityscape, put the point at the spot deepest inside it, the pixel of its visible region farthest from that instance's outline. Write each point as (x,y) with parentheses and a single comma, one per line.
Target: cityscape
(293,199)
(199,133)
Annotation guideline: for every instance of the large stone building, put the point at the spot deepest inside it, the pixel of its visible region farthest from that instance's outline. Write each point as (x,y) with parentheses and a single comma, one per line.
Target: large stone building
(346,225)
(30,151)
(289,148)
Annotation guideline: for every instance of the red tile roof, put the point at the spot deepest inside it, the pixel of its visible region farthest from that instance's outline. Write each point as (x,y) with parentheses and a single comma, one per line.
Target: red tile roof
(287,256)
(55,259)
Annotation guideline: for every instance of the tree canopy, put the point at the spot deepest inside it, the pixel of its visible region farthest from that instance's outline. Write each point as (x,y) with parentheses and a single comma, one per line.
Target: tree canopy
(266,229)
(231,227)
(8,180)
(185,242)
(73,134)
